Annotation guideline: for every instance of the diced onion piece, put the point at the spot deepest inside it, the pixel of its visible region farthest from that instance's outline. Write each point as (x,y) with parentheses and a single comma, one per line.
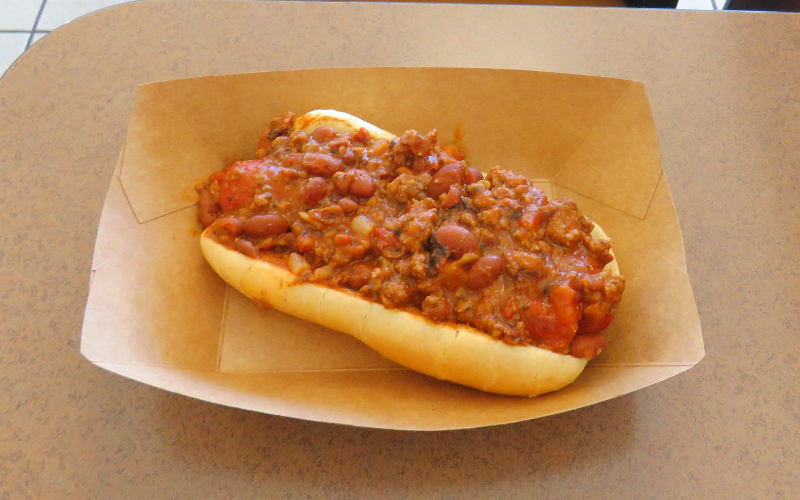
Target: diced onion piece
(297,264)
(322,273)
(467,258)
(362,225)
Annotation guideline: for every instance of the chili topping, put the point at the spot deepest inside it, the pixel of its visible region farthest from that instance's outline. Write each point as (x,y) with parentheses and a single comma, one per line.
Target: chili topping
(410,224)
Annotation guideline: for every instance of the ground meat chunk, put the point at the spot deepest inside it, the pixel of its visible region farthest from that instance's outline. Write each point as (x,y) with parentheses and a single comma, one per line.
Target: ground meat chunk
(517,261)
(499,177)
(481,195)
(414,142)
(614,287)
(436,307)
(407,187)
(356,276)
(417,225)
(395,293)
(564,225)
(418,265)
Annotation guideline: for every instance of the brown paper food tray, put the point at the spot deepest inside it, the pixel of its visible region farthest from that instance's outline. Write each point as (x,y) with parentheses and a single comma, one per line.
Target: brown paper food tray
(158,314)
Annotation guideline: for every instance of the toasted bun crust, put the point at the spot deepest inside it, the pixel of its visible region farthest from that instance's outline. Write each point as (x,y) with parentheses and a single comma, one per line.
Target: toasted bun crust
(447,351)
(338,121)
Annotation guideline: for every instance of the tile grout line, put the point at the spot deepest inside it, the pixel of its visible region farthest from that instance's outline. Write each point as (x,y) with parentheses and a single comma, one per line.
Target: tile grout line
(35,24)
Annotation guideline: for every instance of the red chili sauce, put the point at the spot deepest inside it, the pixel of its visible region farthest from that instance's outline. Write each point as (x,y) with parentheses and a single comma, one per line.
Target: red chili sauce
(410,224)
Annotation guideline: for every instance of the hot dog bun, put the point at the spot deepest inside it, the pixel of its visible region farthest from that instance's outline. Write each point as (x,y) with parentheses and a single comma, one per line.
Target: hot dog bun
(447,351)
(338,121)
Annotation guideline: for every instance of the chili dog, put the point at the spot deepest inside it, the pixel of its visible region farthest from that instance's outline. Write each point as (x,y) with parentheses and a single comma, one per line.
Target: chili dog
(478,279)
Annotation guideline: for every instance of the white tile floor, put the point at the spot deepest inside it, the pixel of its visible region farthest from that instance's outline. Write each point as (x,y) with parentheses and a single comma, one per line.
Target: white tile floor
(18,14)
(11,46)
(58,12)
(23,22)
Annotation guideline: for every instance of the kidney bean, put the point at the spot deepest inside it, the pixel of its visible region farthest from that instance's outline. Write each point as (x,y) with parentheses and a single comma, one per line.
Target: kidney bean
(452,198)
(363,184)
(207,208)
(473,175)
(314,190)
(349,158)
(323,134)
(457,240)
(342,181)
(321,164)
(484,271)
(444,178)
(348,205)
(294,159)
(265,225)
(246,247)
(230,226)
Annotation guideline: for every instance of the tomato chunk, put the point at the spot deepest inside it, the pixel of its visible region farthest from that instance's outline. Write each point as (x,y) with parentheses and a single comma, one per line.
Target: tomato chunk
(594,319)
(565,305)
(532,218)
(554,322)
(587,345)
(237,188)
(387,242)
(542,322)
